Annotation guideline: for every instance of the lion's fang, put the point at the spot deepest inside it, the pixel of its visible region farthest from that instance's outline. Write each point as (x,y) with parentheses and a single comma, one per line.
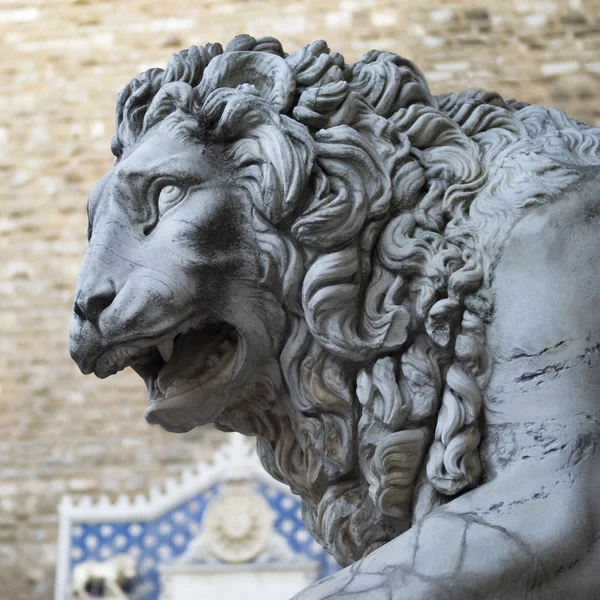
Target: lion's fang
(166,350)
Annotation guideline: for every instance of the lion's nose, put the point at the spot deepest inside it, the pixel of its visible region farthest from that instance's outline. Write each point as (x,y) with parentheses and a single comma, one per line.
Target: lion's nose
(89,304)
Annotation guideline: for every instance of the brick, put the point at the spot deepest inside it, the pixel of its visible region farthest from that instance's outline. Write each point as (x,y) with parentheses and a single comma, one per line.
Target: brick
(441,15)
(593,67)
(536,20)
(461,65)
(560,68)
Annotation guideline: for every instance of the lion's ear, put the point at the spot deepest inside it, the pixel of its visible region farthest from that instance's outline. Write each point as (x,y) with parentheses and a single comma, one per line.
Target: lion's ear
(268,73)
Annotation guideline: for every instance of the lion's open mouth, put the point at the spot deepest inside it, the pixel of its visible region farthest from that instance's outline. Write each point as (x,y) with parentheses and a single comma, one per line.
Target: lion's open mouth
(174,363)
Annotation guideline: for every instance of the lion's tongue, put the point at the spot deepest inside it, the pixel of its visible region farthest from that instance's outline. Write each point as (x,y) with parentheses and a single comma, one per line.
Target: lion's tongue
(189,355)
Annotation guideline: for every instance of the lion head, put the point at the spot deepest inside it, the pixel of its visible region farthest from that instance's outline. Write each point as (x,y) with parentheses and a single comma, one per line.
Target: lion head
(292,247)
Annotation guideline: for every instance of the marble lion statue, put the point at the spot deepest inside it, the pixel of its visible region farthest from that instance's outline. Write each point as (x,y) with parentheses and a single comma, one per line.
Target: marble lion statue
(396,292)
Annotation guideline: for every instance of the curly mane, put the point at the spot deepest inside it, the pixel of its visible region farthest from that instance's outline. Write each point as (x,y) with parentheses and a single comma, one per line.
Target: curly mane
(379,209)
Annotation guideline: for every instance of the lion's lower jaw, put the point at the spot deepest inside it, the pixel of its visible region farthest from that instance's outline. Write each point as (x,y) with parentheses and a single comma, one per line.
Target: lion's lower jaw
(182,413)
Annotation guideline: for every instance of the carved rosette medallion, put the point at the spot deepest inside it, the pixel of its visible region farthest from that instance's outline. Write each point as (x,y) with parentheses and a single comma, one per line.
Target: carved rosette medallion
(238,524)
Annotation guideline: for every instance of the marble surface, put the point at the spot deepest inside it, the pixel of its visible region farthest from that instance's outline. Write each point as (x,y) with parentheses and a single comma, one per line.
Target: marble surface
(395,292)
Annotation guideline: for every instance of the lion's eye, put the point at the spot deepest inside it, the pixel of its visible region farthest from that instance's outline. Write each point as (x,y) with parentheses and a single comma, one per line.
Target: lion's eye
(169,196)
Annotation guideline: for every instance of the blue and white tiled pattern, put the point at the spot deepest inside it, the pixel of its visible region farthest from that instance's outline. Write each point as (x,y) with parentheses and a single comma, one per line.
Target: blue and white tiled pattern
(163,540)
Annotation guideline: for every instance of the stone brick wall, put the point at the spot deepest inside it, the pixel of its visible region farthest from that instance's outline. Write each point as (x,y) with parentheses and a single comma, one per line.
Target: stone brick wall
(63,62)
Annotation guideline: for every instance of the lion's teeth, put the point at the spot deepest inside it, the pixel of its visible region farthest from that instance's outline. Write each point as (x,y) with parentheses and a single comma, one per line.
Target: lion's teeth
(150,385)
(166,350)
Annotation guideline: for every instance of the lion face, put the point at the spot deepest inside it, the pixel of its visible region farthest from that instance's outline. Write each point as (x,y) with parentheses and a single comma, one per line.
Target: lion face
(169,281)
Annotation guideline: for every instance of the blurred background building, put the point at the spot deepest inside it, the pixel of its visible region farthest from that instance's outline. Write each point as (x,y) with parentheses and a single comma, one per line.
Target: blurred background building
(63,62)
